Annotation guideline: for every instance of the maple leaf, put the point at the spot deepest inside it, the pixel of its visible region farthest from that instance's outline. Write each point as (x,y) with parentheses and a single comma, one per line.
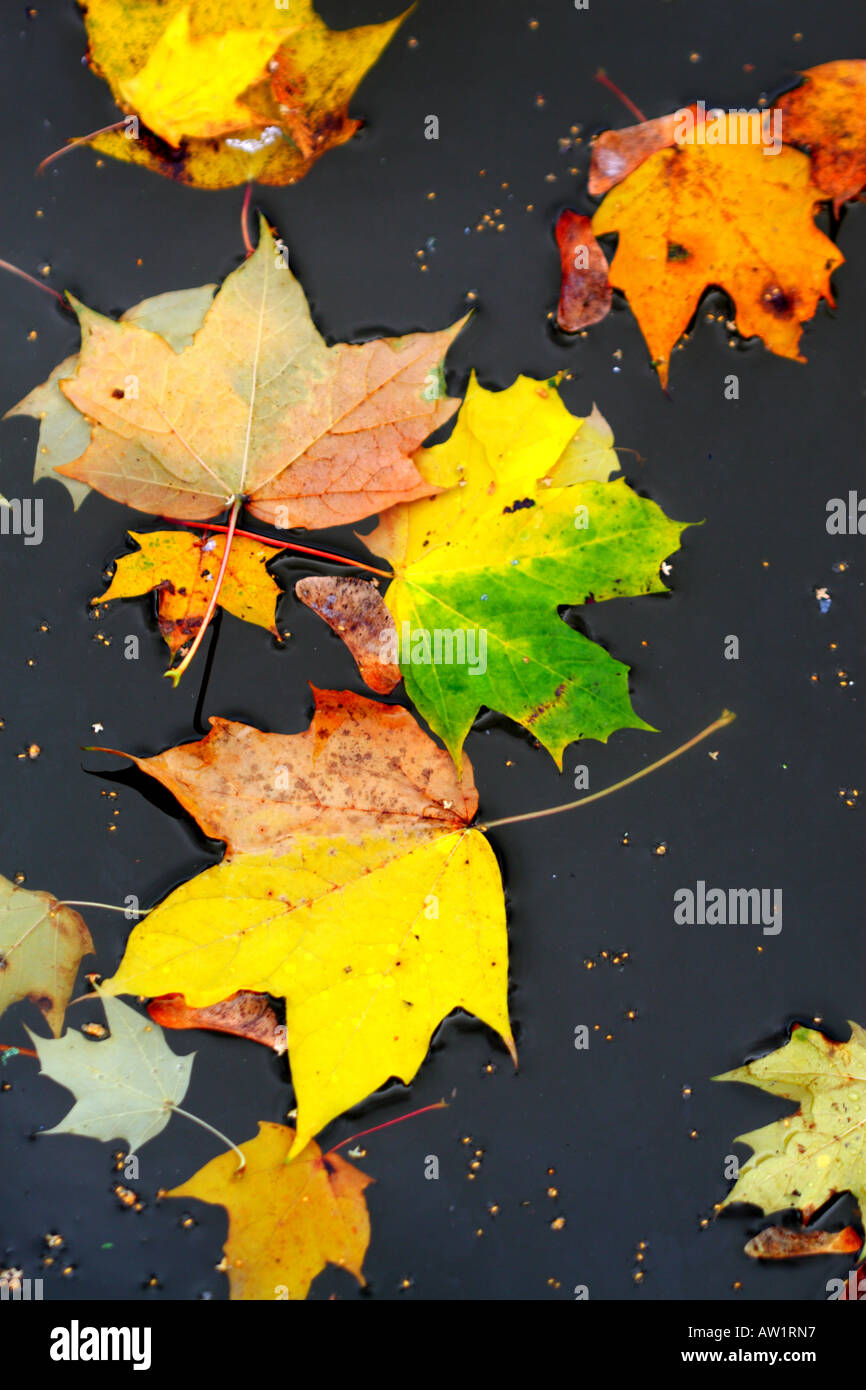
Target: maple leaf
(244,1015)
(257,407)
(719,214)
(806,1158)
(64,433)
(487,562)
(42,943)
(289,1215)
(353,888)
(125,1086)
(827,114)
(183,569)
(228,92)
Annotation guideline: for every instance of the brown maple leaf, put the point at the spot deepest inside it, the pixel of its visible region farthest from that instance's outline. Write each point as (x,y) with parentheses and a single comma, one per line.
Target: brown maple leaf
(827,115)
(359,763)
(258,408)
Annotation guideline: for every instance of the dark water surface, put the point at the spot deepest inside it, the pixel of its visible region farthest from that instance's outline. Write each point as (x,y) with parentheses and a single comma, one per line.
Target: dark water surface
(631,1158)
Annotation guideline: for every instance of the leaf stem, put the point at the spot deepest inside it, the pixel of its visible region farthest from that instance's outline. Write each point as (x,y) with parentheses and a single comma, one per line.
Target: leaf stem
(245,223)
(726,717)
(31,280)
(80,140)
(17,1051)
(109,907)
(286,545)
(439,1105)
(174,673)
(178,1110)
(602,77)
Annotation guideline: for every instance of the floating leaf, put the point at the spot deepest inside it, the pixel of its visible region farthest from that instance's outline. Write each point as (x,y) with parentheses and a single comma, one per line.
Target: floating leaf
(355,610)
(589,456)
(244,1015)
(228,92)
(359,766)
(481,569)
(256,407)
(41,947)
(64,433)
(586,294)
(288,1216)
(183,569)
(782,1243)
(806,1158)
(726,215)
(125,1086)
(616,153)
(371,907)
(827,114)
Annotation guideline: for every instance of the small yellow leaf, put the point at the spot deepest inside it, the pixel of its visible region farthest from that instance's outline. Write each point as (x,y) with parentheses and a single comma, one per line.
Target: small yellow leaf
(188,86)
(184,569)
(228,91)
(287,1219)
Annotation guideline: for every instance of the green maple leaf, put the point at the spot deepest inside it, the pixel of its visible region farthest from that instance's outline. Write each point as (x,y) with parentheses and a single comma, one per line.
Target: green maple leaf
(806,1158)
(527,522)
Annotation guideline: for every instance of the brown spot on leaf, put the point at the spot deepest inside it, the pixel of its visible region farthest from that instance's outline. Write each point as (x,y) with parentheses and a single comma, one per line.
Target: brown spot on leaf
(778,302)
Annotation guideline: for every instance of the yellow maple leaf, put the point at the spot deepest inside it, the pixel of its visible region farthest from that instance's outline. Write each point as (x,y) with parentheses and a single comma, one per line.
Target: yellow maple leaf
(236,89)
(188,87)
(183,569)
(719,214)
(287,1219)
(376,912)
(370,944)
